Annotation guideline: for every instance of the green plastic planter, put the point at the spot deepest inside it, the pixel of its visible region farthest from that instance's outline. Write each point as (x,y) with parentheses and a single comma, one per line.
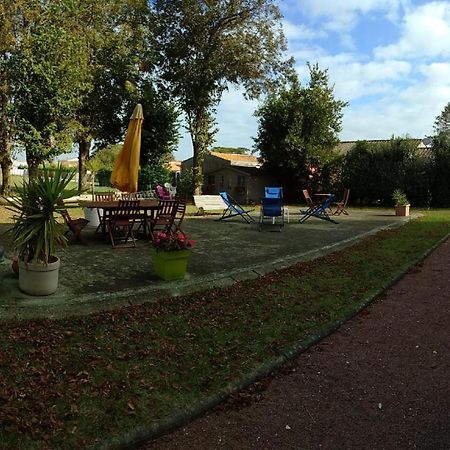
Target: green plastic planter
(170,265)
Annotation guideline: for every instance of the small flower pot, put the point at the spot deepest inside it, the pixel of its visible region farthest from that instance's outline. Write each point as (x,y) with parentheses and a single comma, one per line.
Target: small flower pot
(170,265)
(402,210)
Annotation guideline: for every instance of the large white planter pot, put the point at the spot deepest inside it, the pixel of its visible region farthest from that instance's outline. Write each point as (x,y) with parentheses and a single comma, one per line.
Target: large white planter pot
(91,214)
(37,278)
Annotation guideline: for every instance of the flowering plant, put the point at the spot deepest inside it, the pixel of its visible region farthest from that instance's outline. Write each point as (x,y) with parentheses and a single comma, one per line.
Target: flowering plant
(169,242)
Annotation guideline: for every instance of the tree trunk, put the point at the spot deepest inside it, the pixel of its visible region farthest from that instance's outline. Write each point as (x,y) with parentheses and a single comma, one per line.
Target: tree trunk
(197,171)
(33,164)
(200,125)
(6,174)
(5,134)
(84,146)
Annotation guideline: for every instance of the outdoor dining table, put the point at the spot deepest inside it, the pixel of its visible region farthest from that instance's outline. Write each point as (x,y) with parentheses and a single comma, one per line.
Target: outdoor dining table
(148,207)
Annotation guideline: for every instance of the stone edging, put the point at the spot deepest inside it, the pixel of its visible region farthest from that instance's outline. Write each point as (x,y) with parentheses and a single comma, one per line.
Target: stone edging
(142,434)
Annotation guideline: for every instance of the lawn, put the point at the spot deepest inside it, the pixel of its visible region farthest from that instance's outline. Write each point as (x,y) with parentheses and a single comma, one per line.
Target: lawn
(68,383)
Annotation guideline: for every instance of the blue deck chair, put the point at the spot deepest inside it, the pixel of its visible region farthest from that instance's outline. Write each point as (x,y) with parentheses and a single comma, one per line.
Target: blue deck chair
(319,211)
(234,209)
(272,207)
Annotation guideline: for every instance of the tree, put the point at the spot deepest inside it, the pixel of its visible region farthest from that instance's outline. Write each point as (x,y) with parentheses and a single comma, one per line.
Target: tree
(442,122)
(47,80)
(10,33)
(298,129)
(205,45)
(116,41)
(160,128)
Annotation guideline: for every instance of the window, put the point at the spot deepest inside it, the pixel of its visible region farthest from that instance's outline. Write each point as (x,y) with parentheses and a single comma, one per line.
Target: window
(211,180)
(241,180)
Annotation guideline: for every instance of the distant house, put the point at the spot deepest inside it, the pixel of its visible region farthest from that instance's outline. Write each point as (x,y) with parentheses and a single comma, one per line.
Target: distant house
(240,175)
(424,146)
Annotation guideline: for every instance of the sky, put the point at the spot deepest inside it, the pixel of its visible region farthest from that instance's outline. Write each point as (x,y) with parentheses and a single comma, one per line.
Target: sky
(389,59)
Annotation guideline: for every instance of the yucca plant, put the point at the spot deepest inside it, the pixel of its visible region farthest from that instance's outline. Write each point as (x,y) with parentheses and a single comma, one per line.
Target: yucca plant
(37,206)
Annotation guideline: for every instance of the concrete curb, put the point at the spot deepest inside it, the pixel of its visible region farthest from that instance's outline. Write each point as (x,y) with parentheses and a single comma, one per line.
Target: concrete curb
(141,435)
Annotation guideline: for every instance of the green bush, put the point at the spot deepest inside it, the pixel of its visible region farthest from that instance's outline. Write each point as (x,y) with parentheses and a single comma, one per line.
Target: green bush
(185,184)
(150,176)
(103,177)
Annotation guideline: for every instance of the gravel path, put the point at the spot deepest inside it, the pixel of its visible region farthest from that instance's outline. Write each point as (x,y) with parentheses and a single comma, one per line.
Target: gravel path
(381,382)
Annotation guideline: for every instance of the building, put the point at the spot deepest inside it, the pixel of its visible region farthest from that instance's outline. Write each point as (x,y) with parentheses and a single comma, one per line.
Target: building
(424,146)
(241,176)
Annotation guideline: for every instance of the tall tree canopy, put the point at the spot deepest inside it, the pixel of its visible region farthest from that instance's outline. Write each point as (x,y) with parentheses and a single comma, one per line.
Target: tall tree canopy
(298,128)
(116,41)
(204,45)
(442,122)
(47,67)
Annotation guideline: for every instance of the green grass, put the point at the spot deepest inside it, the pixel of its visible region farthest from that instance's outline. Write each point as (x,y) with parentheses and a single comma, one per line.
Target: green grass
(65,383)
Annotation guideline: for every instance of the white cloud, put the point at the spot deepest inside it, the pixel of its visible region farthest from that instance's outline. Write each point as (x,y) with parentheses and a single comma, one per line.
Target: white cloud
(425,32)
(409,111)
(344,15)
(298,32)
(235,120)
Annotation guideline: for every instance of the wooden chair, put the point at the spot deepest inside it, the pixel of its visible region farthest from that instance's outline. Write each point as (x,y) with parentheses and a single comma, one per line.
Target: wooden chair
(164,219)
(120,223)
(75,226)
(340,206)
(179,216)
(104,197)
(309,201)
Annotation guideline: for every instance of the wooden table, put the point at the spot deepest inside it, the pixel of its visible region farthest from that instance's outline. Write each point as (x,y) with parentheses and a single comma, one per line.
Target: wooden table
(148,207)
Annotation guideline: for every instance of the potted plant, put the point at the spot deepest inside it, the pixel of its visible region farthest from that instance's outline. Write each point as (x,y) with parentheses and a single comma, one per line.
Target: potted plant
(36,231)
(401,203)
(170,254)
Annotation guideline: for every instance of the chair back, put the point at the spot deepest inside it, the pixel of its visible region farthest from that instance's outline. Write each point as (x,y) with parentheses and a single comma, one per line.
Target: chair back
(167,208)
(66,216)
(308,198)
(129,196)
(105,197)
(273,192)
(327,203)
(272,203)
(346,196)
(127,210)
(179,215)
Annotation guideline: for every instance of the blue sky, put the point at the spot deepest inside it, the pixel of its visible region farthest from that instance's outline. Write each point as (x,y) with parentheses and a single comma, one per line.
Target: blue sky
(390,59)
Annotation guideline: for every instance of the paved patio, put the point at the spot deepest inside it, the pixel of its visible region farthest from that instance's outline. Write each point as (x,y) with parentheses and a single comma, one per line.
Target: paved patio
(94,277)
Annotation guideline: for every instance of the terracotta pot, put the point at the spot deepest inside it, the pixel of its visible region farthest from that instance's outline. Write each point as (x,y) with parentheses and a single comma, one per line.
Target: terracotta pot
(402,210)
(15,265)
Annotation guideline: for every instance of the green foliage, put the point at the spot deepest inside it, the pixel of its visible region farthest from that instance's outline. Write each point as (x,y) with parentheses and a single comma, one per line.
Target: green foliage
(373,171)
(440,185)
(203,47)
(442,122)
(150,176)
(47,80)
(160,133)
(36,231)
(298,130)
(104,177)
(235,150)
(185,184)
(400,198)
(103,158)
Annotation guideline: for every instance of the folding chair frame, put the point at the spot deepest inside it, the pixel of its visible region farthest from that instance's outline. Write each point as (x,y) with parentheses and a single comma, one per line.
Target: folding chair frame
(75,226)
(272,207)
(122,220)
(340,206)
(319,211)
(234,209)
